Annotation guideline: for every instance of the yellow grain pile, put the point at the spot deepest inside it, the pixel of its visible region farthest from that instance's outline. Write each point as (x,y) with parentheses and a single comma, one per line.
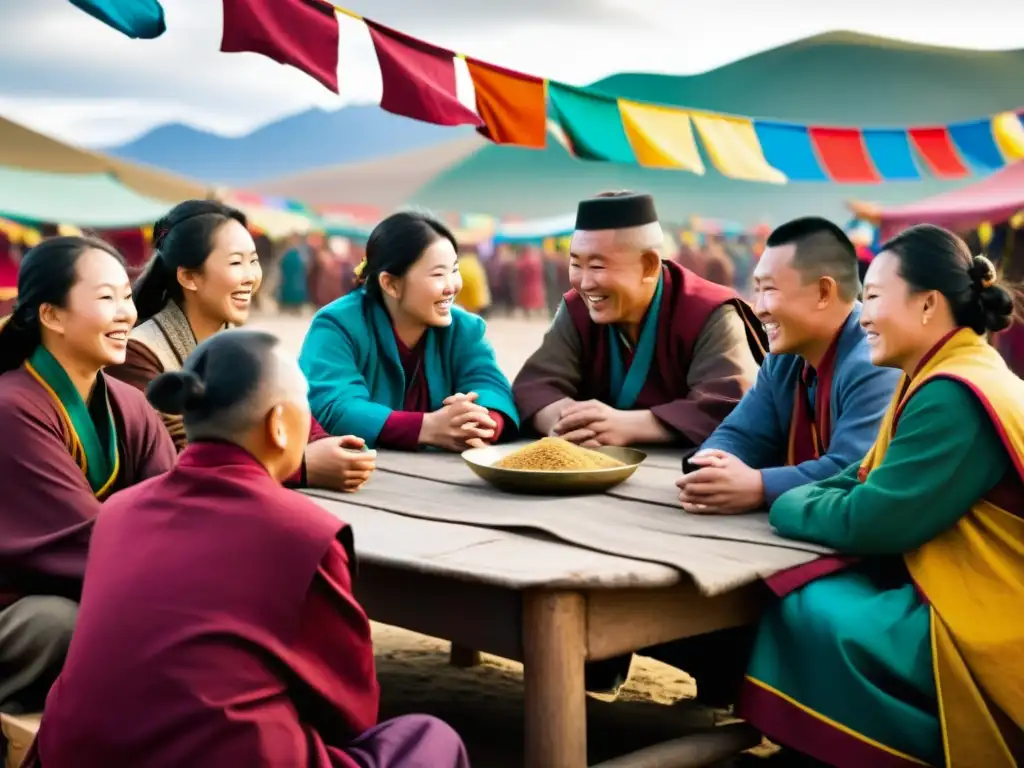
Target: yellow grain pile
(553,454)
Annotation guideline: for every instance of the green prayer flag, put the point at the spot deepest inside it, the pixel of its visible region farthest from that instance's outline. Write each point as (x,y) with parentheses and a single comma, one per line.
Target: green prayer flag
(592,123)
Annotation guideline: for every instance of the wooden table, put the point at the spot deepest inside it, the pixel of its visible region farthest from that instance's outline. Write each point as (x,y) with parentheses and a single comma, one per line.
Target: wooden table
(547,604)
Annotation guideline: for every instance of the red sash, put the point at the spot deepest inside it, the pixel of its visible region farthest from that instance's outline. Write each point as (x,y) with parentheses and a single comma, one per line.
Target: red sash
(809,435)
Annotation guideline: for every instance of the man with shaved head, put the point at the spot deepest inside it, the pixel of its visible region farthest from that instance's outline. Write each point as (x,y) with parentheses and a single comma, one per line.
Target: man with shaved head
(641,350)
(218,627)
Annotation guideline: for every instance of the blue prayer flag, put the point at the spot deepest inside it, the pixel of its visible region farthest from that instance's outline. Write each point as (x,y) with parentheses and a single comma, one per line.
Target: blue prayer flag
(138,19)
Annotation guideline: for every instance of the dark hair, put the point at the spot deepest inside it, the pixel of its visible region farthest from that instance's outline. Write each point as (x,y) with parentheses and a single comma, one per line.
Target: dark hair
(934,259)
(222,373)
(46,275)
(182,238)
(397,242)
(821,249)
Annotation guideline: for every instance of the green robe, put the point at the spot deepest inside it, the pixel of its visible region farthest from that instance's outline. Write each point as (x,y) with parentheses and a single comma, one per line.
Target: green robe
(850,653)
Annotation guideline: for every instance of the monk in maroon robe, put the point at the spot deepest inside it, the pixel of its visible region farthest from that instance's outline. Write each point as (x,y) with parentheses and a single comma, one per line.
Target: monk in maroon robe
(218,626)
(641,350)
(71,437)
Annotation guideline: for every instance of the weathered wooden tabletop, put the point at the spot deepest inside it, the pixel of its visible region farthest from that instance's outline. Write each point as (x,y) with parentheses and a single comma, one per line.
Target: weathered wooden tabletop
(430,511)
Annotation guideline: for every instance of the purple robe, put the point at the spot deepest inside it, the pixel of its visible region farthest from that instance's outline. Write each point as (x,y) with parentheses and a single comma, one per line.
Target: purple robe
(217,628)
(47,507)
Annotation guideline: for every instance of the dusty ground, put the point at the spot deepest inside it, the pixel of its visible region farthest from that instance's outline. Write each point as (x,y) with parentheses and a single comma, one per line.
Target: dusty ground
(485,703)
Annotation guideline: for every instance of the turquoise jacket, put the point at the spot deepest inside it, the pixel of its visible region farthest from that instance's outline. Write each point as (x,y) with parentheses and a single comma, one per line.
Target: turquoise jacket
(355,375)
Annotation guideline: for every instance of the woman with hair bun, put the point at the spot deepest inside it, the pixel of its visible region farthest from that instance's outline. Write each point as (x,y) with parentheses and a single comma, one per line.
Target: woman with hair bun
(218,628)
(912,655)
(396,362)
(202,279)
(71,437)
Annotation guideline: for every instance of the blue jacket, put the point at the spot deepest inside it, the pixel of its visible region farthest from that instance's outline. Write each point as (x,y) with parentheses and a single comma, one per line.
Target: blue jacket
(757,431)
(355,375)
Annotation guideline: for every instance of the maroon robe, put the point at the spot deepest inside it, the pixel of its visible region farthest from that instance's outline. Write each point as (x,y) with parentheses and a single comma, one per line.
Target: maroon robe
(47,507)
(217,629)
(530,278)
(401,431)
(687,303)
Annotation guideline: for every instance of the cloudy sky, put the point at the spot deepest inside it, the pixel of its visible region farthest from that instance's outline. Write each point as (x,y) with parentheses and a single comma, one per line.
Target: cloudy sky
(66,74)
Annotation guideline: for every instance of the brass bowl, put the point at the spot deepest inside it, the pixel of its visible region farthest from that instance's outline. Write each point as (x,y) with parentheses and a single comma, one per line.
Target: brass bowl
(482,460)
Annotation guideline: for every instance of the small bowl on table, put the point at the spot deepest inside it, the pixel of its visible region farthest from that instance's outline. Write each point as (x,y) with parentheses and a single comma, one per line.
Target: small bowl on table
(540,481)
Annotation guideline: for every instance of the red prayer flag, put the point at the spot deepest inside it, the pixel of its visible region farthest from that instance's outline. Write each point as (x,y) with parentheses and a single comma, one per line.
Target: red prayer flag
(300,33)
(419,79)
(844,155)
(512,105)
(936,148)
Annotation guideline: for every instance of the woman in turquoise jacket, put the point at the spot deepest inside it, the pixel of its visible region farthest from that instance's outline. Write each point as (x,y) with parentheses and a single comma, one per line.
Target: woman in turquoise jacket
(396,362)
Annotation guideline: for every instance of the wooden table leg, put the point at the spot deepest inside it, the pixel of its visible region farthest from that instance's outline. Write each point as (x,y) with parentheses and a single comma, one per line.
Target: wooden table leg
(554,650)
(463,656)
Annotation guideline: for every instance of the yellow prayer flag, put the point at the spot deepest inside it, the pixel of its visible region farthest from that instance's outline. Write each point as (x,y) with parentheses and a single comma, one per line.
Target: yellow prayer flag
(661,137)
(1008,131)
(68,230)
(734,148)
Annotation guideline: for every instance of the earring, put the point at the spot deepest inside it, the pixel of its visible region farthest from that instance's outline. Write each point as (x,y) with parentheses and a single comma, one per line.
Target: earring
(924,319)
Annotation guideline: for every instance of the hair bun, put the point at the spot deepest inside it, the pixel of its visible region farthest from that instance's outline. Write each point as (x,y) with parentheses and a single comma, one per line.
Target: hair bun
(982,272)
(160,230)
(176,392)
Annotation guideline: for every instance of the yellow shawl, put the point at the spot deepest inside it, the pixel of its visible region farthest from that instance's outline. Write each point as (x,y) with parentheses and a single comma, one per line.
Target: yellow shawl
(973,574)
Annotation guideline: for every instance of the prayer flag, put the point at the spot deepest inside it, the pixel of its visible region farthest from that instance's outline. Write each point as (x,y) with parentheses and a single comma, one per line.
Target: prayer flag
(300,33)
(1008,130)
(512,105)
(789,148)
(661,137)
(419,79)
(977,145)
(591,122)
(138,19)
(890,153)
(938,153)
(844,155)
(734,149)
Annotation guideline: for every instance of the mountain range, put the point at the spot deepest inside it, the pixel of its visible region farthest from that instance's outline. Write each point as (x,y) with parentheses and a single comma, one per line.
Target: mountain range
(308,140)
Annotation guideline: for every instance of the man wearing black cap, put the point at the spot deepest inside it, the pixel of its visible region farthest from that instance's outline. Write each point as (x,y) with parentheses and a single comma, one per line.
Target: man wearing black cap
(641,350)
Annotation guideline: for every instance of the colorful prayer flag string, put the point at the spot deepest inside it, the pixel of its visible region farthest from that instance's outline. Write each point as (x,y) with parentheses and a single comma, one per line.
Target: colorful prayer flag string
(432,84)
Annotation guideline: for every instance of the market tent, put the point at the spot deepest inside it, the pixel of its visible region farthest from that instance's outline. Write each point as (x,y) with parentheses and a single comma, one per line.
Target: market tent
(993,199)
(86,200)
(23,148)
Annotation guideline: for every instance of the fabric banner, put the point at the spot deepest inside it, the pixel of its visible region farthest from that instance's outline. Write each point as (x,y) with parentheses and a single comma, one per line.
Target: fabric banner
(591,123)
(734,148)
(661,137)
(512,105)
(300,33)
(138,19)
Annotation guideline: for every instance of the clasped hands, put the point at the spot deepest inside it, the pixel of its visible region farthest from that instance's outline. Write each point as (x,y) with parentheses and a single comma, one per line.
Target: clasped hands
(459,423)
(723,485)
(591,423)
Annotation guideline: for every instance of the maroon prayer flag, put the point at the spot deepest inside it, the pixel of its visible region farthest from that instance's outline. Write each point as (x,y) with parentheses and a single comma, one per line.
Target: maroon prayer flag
(419,79)
(300,33)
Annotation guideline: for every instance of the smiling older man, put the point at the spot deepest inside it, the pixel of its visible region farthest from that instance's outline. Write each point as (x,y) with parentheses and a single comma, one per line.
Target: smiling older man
(641,350)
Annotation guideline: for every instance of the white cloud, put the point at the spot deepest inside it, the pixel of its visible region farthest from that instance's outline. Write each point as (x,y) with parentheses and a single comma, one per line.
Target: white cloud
(69,75)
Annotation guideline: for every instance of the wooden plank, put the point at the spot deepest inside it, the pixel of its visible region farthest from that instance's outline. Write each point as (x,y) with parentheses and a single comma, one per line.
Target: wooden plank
(500,558)
(627,620)
(693,751)
(554,636)
(720,552)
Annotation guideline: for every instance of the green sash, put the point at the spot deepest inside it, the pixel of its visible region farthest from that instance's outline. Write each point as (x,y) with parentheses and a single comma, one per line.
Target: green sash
(627,385)
(99,466)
